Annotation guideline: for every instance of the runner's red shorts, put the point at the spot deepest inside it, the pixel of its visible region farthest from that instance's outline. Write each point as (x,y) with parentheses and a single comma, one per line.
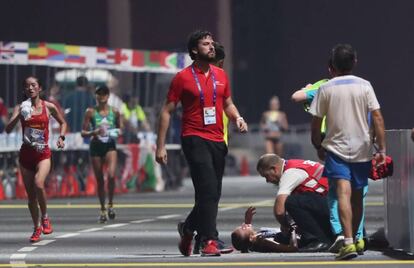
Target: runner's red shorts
(29,157)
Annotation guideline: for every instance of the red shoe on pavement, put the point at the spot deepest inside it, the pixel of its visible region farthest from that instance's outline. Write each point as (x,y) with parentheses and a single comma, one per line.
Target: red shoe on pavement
(184,246)
(210,249)
(36,234)
(47,226)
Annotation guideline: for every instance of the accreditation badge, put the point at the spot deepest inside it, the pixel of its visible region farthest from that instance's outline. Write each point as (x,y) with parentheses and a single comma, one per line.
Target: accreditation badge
(209,115)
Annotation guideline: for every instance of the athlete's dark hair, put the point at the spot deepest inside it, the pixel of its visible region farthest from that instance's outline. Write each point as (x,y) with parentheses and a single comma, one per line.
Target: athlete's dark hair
(32,76)
(193,39)
(343,58)
(240,241)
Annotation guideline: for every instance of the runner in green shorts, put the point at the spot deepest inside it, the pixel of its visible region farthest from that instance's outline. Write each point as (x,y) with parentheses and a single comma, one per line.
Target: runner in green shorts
(103,123)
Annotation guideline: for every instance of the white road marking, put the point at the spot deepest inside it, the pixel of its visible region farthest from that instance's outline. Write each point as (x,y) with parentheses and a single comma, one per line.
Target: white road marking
(27,249)
(18,256)
(91,230)
(68,235)
(171,216)
(44,242)
(142,221)
(115,225)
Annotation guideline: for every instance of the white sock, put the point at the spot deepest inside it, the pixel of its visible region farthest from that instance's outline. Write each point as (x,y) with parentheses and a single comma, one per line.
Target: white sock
(348,241)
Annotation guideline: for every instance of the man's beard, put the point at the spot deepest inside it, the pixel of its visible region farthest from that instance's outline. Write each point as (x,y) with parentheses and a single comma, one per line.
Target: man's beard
(207,57)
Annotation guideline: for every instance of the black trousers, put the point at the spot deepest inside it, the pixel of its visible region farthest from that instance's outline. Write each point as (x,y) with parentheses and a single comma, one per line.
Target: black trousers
(311,214)
(206,160)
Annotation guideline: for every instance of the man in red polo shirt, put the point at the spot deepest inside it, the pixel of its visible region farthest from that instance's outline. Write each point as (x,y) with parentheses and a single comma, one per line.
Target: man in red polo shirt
(204,92)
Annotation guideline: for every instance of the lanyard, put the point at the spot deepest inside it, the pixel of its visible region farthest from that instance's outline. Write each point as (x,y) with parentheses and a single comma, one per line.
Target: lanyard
(199,86)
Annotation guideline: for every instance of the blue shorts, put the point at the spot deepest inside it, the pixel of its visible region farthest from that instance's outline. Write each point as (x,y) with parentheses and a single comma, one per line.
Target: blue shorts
(356,173)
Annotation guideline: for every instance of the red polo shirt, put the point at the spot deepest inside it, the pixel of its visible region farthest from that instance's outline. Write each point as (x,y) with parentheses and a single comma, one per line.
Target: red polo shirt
(184,88)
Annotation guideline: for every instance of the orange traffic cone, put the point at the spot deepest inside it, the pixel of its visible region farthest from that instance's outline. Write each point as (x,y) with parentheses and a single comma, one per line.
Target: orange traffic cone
(64,187)
(20,189)
(244,166)
(52,186)
(90,184)
(73,182)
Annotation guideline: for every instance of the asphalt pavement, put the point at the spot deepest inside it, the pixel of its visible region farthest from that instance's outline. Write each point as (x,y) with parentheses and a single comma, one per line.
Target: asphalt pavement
(144,232)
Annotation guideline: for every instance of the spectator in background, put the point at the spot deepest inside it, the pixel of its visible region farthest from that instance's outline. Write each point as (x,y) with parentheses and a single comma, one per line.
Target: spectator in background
(77,102)
(3,115)
(273,123)
(134,119)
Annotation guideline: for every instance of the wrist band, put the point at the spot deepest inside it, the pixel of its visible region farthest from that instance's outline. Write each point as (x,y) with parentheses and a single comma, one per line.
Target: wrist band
(62,137)
(239,118)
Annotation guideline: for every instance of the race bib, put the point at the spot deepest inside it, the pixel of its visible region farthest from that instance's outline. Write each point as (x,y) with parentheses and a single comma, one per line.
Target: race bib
(209,115)
(35,135)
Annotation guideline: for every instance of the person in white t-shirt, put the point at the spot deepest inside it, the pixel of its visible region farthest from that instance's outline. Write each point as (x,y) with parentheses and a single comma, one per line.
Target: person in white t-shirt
(346,100)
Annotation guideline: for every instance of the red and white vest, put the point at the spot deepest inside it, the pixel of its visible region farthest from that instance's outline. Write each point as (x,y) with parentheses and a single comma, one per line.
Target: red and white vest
(315,182)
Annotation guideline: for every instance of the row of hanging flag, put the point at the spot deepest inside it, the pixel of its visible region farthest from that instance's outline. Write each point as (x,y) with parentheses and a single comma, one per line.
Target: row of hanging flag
(72,56)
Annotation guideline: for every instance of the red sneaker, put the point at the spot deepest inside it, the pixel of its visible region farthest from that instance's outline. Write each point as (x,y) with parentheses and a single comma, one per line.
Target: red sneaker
(47,226)
(36,234)
(210,249)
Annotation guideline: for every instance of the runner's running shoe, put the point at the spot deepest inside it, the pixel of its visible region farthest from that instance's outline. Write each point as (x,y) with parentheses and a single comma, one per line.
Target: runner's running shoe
(111,213)
(37,231)
(102,217)
(47,226)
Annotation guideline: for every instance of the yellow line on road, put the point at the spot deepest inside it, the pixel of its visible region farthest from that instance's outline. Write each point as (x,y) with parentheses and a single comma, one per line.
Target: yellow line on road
(153,205)
(216,264)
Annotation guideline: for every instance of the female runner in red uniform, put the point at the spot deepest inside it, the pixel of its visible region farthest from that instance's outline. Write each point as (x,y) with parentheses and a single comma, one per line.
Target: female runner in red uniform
(35,154)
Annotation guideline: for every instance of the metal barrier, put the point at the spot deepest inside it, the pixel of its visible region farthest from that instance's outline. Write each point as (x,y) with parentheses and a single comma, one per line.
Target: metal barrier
(399,191)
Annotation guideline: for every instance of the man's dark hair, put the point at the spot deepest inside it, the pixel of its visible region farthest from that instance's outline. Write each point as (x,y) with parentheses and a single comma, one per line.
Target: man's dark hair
(193,41)
(220,55)
(343,58)
(82,81)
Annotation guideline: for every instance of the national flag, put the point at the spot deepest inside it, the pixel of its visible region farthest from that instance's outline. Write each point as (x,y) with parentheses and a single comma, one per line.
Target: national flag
(150,181)
(37,53)
(138,58)
(123,59)
(105,57)
(73,56)
(171,61)
(55,54)
(13,53)
(155,58)
(90,55)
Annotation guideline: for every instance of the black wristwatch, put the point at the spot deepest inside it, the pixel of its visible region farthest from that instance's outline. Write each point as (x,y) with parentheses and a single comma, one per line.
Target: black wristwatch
(62,137)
